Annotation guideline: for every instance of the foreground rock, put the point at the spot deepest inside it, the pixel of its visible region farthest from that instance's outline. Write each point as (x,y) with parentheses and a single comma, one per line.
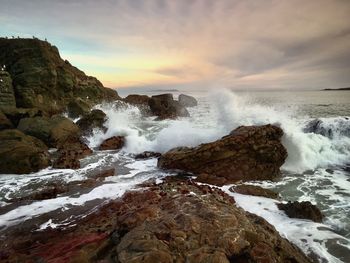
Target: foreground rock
(42,79)
(254,191)
(176,221)
(165,107)
(187,101)
(302,210)
(113,143)
(21,154)
(93,120)
(248,153)
(137,99)
(52,131)
(70,152)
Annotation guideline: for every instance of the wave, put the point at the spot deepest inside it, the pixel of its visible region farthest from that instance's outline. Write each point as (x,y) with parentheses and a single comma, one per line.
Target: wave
(219,113)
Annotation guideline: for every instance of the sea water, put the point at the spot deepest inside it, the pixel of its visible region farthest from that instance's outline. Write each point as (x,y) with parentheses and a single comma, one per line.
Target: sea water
(317,168)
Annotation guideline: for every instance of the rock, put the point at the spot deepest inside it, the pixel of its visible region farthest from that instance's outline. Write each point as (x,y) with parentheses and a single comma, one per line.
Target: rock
(254,190)
(42,79)
(165,107)
(137,99)
(4,122)
(21,154)
(302,210)
(93,120)
(187,101)
(51,131)
(70,152)
(48,192)
(147,154)
(16,114)
(113,143)
(337,127)
(248,153)
(77,108)
(7,93)
(175,221)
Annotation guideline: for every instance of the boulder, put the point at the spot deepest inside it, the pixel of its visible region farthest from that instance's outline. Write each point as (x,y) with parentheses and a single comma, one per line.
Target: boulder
(42,79)
(51,131)
(77,108)
(7,93)
(70,152)
(113,143)
(137,99)
(4,122)
(165,107)
(93,120)
(302,210)
(254,190)
(248,153)
(16,114)
(170,222)
(21,154)
(187,101)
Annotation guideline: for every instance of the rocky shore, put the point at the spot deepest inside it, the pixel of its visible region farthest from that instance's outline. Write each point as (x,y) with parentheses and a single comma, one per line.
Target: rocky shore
(182,219)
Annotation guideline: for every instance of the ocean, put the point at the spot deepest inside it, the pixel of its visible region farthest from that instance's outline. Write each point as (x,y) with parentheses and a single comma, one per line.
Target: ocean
(317,137)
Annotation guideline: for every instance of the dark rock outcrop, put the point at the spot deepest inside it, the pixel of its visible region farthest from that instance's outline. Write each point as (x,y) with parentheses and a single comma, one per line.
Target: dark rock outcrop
(4,122)
(77,108)
(165,107)
(7,93)
(16,114)
(137,99)
(302,210)
(20,153)
(113,143)
(248,153)
(187,101)
(70,152)
(172,222)
(42,79)
(51,131)
(89,122)
(254,190)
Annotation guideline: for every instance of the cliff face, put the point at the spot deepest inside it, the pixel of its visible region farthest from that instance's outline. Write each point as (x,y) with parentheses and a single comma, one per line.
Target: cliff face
(42,79)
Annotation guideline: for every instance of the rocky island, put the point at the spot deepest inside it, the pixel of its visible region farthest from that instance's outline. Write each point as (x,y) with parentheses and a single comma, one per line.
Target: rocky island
(184,218)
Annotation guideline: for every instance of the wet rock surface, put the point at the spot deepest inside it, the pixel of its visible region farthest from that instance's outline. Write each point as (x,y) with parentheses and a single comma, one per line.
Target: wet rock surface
(147,154)
(254,191)
(165,107)
(248,153)
(21,154)
(302,210)
(176,221)
(113,143)
(70,152)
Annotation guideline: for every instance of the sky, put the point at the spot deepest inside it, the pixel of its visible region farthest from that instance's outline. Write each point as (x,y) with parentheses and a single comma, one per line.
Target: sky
(194,44)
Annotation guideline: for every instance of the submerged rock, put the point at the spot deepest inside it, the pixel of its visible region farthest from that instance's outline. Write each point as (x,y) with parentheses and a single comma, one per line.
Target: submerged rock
(302,210)
(42,79)
(113,143)
(93,120)
(176,221)
(147,154)
(187,101)
(254,190)
(51,131)
(165,107)
(248,153)
(21,154)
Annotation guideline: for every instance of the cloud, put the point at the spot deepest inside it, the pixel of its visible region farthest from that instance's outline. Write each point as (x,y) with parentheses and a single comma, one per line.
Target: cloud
(230,43)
